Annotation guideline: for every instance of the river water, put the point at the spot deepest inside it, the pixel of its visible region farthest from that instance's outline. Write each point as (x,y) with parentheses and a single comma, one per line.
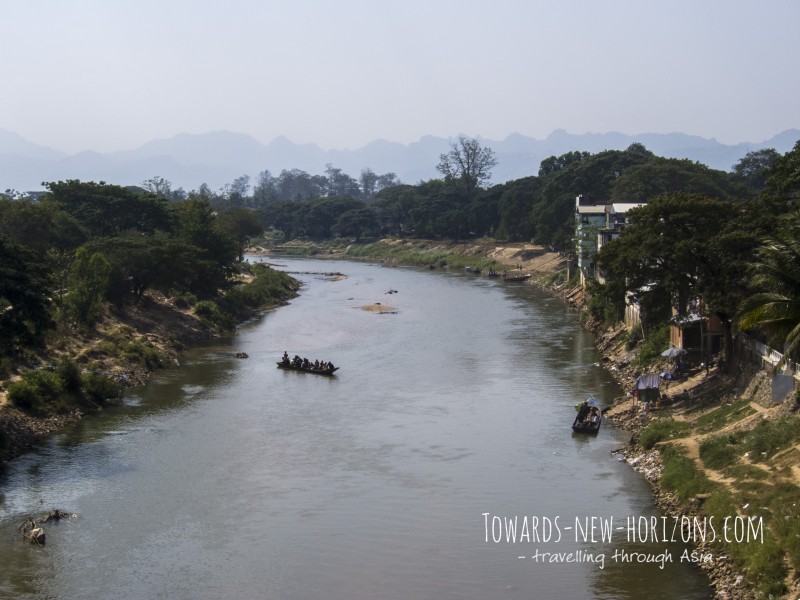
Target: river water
(230,478)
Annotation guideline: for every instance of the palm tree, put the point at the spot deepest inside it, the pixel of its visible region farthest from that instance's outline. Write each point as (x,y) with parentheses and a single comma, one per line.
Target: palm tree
(776,310)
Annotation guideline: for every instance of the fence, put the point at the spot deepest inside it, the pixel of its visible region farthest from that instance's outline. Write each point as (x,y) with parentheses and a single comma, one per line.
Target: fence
(769,357)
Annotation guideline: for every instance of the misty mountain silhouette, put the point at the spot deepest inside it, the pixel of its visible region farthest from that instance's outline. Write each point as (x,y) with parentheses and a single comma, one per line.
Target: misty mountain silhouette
(219,157)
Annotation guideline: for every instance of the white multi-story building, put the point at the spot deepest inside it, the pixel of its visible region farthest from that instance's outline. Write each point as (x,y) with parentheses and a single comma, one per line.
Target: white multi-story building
(596,224)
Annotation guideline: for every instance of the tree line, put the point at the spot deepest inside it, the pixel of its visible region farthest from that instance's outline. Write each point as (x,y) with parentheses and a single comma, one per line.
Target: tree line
(83,243)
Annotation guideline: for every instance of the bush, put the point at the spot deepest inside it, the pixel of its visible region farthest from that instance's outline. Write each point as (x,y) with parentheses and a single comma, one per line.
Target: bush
(70,376)
(209,311)
(38,392)
(654,345)
(137,351)
(100,388)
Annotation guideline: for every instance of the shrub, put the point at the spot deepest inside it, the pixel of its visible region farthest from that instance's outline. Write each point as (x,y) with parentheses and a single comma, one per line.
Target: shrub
(70,376)
(38,392)
(100,388)
(654,345)
(137,351)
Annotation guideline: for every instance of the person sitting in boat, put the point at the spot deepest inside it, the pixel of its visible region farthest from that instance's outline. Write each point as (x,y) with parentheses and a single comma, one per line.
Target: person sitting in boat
(595,416)
(316,365)
(285,359)
(330,366)
(583,411)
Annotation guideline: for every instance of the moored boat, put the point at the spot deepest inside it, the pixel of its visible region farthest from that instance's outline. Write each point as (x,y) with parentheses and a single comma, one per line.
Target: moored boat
(516,276)
(589,417)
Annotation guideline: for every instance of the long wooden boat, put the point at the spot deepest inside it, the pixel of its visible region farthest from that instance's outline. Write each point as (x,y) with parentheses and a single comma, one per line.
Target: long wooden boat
(329,372)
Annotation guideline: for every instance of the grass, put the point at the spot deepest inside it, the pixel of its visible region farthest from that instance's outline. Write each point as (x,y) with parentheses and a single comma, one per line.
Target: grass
(725,414)
(744,472)
(720,451)
(662,430)
(771,436)
(682,476)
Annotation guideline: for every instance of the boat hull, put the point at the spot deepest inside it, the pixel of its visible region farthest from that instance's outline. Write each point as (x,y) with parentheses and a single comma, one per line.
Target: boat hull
(589,428)
(328,372)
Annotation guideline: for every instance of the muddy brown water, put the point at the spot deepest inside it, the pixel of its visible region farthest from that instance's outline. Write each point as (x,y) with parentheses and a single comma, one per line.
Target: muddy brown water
(396,479)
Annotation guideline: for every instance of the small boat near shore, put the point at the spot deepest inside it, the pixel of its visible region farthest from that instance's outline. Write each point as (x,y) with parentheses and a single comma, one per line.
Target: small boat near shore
(587,426)
(589,417)
(516,276)
(290,367)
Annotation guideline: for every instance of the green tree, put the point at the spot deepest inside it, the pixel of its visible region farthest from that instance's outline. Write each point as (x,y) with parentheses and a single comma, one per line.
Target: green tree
(88,284)
(24,297)
(774,308)
(107,210)
(265,189)
(754,167)
(241,224)
(659,176)
(784,178)
(39,226)
(356,222)
(323,214)
(554,164)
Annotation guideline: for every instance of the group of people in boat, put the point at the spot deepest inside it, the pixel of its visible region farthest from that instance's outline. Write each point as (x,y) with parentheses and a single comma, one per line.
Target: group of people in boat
(305,364)
(588,415)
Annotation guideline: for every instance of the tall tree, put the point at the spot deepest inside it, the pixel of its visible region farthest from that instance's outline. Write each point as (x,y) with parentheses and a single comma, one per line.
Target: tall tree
(158,186)
(369,183)
(753,169)
(265,189)
(468,165)
(784,178)
(240,224)
(24,297)
(88,284)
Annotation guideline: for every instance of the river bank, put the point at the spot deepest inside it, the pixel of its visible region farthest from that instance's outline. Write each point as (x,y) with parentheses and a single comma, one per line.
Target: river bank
(127,344)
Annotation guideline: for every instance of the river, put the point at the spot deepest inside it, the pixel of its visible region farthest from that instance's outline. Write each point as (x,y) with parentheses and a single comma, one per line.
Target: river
(449,417)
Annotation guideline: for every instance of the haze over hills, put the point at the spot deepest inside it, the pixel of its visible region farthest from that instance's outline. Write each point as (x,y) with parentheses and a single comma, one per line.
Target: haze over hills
(218,157)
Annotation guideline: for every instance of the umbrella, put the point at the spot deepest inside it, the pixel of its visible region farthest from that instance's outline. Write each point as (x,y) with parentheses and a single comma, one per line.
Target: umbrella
(673,352)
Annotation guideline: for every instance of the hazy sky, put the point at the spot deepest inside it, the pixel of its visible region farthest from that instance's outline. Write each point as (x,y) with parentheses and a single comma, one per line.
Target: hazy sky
(110,75)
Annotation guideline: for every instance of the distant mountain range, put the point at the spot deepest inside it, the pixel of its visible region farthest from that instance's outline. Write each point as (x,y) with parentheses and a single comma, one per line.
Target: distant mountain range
(218,157)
